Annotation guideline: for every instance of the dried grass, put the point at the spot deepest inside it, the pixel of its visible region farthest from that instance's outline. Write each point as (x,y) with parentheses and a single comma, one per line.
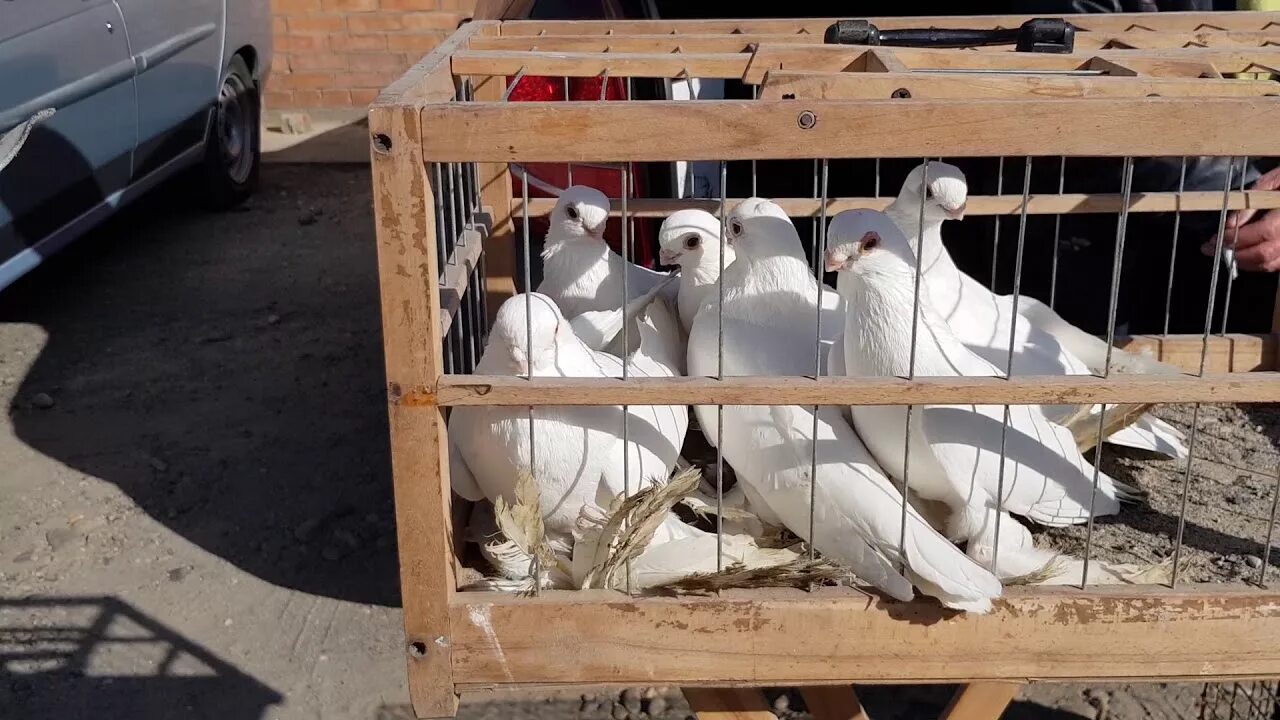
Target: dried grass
(799,573)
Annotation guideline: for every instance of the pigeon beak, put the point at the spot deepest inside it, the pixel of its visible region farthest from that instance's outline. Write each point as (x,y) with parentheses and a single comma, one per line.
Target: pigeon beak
(668,257)
(597,232)
(956,213)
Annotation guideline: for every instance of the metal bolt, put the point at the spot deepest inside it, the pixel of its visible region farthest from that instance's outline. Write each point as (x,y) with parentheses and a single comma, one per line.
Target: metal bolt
(381,144)
(111,28)
(901,93)
(417,649)
(807,120)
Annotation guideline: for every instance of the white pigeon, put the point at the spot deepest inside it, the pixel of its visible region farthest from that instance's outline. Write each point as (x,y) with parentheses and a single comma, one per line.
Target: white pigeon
(691,239)
(602,329)
(770,302)
(955,450)
(578,450)
(580,272)
(1045,343)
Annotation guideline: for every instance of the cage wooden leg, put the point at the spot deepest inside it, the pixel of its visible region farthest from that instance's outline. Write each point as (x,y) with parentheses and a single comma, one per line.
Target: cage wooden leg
(405,221)
(728,704)
(833,702)
(495,194)
(981,701)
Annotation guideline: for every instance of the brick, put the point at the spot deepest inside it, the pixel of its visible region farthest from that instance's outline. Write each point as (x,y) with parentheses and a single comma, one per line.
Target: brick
(306,98)
(335,98)
(318,61)
(358,43)
(369,80)
(303,43)
(278,25)
(317,23)
(280,62)
(363,97)
(410,4)
(445,21)
(374,22)
(285,7)
(378,62)
(310,80)
(414,43)
(350,5)
(278,98)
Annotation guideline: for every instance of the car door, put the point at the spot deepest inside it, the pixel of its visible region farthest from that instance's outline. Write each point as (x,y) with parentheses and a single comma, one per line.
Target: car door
(70,55)
(178,48)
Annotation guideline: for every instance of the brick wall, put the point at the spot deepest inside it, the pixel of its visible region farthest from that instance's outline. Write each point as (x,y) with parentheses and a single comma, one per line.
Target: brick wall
(340,53)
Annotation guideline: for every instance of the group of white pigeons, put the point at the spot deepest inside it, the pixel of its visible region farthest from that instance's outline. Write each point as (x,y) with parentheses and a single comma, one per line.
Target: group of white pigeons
(751,278)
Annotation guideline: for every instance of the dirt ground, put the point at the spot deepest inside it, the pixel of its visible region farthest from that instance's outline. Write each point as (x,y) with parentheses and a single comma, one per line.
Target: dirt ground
(195,510)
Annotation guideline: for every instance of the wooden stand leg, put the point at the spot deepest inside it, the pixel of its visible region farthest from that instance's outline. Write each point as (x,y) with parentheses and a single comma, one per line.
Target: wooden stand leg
(981,701)
(833,702)
(729,704)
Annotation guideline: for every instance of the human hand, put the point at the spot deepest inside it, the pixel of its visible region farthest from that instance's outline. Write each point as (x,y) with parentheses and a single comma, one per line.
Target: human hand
(1256,243)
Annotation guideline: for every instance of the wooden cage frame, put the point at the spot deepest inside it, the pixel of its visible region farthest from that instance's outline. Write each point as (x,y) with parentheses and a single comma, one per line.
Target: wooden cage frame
(465,640)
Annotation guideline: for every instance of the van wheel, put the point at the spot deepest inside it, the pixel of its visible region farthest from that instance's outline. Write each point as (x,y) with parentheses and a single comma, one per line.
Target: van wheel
(233,149)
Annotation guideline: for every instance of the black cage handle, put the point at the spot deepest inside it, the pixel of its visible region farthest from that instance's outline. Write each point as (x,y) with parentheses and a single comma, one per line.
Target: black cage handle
(1038,35)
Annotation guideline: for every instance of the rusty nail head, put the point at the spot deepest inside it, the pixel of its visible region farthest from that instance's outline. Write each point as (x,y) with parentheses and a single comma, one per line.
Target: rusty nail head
(807,120)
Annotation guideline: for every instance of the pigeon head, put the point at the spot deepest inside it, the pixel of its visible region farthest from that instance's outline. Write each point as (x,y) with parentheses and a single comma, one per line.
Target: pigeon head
(867,241)
(581,212)
(526,316)
(945,194)
(688,238)
(760,228)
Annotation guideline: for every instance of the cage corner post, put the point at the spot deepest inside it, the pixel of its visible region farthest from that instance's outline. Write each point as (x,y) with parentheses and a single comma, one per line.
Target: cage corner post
(409,270)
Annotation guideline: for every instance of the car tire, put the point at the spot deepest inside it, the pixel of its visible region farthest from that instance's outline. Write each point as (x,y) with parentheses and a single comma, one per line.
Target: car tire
(233,148)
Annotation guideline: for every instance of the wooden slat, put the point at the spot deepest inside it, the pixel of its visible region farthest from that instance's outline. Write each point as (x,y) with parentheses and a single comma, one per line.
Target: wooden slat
(978,205)
(981,701)
(1169,40)
(744,130)
(1029,390)
(495,197)
(920,86)
(1104,22)
(724,43)
(457,277)
(833,702)
(835,635)
(733,703)
(585,64)
(429,80)
(1231,353)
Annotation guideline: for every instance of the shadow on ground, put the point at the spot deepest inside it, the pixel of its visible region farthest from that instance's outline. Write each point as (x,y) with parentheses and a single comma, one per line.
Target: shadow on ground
(225,371)
(50,647)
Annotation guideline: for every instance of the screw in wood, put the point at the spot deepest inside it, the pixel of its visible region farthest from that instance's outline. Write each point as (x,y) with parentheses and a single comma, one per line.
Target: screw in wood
(807,120)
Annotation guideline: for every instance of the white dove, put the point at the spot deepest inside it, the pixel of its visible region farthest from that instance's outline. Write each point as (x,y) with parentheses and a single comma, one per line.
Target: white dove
(691,239)
(578,450)
(580,272)
(1045,343)
(770,302)
(955,449)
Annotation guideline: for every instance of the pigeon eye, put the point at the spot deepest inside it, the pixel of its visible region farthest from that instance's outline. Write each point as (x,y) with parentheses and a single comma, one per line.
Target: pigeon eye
(691,242)
(928,193)
(870,241)
(735,227)
(572,212)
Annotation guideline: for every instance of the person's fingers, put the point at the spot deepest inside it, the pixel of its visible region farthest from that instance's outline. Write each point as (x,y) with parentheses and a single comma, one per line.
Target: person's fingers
(1266,228)
(1240,217)
(1263,257)
(1269,181)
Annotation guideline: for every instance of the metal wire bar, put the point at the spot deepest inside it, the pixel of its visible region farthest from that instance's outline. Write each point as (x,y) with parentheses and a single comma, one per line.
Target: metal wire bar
(604,84)
(1057,233)
(442,232)
(626,347)
(1231,266)
(528,326)
(755,188)
(459,199)
(1204,354)
(1271,530)
(451,191)
(995,235)
(724,184)
(1008,369)
(911,369)
(1117,261)
(511,86)
(1173,245)
(814,260)
(819,250)
(566,97)
(877,188)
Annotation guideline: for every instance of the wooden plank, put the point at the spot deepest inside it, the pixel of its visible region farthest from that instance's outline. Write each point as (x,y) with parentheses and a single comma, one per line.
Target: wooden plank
(744,130)
(882,60)
(430,79)
(585,64)
(1231,353)
(697,44)
(732,703)
(1249,387)
(918,86)
(411,318)
(839,635)
(978,205)
(495,197)
(1103,22)
(981,701)
(1141,39)
(457,277)
(833,702)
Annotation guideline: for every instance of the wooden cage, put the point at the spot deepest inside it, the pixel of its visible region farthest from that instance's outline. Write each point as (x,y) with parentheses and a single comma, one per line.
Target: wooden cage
(1136,85)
